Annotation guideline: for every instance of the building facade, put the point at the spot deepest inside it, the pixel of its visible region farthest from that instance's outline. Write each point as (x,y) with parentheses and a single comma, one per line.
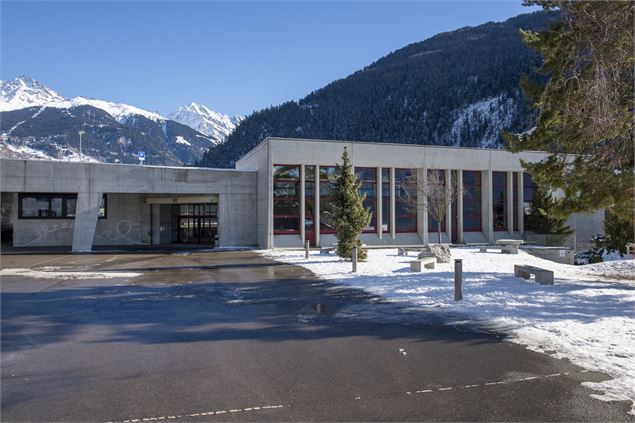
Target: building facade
(278,196)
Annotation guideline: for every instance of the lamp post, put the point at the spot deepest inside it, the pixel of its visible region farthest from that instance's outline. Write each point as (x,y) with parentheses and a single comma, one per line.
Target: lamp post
(80,144)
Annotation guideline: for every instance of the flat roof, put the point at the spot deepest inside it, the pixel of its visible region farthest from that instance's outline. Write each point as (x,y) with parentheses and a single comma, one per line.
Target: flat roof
(391,143)
(126,164)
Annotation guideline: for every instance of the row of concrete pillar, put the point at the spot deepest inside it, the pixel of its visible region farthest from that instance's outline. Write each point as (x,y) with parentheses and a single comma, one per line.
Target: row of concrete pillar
(422,214)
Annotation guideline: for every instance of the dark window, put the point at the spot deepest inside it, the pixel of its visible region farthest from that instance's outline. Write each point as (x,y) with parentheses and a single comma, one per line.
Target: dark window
(328,177)
(528,194)
(52,206)
(472,203)
(286,199)
(405,200)
(440,178)
(499,200)
(367,176)
(385,200)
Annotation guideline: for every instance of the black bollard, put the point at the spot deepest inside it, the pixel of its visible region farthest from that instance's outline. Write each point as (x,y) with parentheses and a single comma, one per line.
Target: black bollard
(458,280)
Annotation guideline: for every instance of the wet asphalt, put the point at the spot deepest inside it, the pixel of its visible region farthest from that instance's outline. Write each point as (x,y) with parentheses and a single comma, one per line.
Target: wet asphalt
(224,336)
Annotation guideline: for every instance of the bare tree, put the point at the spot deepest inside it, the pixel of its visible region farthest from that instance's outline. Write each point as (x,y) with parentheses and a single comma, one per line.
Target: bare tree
(438,195)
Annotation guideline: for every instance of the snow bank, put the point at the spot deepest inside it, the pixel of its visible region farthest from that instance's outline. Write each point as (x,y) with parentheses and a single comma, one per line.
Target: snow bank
(44,274)
(587,316)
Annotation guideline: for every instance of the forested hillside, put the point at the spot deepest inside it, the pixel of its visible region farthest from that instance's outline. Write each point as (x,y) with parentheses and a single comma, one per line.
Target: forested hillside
(456,88)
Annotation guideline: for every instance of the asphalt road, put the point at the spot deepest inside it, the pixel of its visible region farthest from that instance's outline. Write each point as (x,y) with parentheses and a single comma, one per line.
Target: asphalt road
(233,336)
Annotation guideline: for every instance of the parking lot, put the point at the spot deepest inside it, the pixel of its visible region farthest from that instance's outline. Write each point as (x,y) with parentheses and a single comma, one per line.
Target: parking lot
(198,336)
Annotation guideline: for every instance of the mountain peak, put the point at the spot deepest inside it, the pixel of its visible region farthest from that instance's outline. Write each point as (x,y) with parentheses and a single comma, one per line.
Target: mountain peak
(205,120)
(24,91)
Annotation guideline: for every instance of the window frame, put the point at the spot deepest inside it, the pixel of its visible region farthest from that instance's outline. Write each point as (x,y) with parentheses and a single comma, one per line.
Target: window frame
(50,196)
(286,198)
(502,175)
(369,229)
(411,229)
(479,209)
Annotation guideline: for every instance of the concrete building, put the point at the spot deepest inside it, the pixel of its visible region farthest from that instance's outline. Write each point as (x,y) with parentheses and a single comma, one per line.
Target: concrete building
(278,196)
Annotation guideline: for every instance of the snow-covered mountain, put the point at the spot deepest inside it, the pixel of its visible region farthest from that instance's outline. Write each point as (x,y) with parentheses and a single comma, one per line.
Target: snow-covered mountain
(206,121)
(23,92)
(37,122)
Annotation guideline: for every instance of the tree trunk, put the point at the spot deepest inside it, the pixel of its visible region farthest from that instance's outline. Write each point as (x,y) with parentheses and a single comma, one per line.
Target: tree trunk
(439,231)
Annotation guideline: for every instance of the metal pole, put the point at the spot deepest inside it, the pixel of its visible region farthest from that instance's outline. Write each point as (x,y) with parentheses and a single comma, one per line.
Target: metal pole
(354,259)
(458,280)
(80,147)
(306,250)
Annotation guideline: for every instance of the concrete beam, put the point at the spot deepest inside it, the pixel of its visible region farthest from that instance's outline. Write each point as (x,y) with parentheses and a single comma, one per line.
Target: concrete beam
(459,205)
(521,200)
(379,205)
(302,204)
(510,203)
(316,206)
(86,215)
(393,233)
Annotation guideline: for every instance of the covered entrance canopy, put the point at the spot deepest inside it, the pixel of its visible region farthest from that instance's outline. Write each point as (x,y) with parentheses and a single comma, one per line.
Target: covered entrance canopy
(192,219)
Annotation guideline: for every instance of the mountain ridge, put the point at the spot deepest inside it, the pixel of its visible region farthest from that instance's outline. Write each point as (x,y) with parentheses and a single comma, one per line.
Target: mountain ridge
(37,122)
(455,88)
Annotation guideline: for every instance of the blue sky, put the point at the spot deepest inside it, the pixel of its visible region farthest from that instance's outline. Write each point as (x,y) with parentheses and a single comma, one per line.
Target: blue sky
(235,57)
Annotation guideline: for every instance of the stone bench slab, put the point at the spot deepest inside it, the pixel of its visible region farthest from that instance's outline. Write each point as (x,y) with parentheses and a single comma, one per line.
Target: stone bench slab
(418,265)
(543,276)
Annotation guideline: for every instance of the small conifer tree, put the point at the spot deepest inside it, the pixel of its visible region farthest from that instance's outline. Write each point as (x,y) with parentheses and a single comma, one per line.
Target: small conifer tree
(349,217)
(542,219)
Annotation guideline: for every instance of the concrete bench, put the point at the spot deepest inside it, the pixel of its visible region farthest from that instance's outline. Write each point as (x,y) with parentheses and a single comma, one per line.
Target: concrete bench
(505,249)
(510,245)
(327,250)
(403,251)
(427,262)
(543,276)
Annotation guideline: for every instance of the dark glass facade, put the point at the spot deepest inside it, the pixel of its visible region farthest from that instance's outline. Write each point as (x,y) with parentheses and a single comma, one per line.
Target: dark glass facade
(286,199)
(405,200)
(499,201)
(52,206)
(367,176)
(472,203)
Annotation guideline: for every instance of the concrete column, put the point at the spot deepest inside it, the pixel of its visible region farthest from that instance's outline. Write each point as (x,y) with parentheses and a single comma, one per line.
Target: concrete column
(521,199)
(510,203)
(86,216)
(302,204)
(421,210)
(379,206)
(488,210)
(316,207)
(393,229)
(459,205)
(448,213)
(424,215)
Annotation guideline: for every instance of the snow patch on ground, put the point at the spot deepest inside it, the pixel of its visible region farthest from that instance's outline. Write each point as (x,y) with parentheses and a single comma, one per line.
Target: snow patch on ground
(44,274)
(586,317)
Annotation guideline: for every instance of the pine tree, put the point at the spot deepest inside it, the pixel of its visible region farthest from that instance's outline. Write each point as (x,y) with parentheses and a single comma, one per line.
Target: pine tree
(542,219)
(585,109)
(349,217)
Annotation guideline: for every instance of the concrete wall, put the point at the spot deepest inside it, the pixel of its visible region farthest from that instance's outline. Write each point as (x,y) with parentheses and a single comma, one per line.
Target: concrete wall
(259,160)
(328,152)
(129,218)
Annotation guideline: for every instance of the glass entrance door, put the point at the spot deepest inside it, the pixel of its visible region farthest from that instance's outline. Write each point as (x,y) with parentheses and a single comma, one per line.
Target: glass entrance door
(196,223)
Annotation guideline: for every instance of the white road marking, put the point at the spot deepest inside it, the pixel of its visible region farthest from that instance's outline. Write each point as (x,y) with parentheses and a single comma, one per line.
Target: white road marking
(421,391)
(204,413)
